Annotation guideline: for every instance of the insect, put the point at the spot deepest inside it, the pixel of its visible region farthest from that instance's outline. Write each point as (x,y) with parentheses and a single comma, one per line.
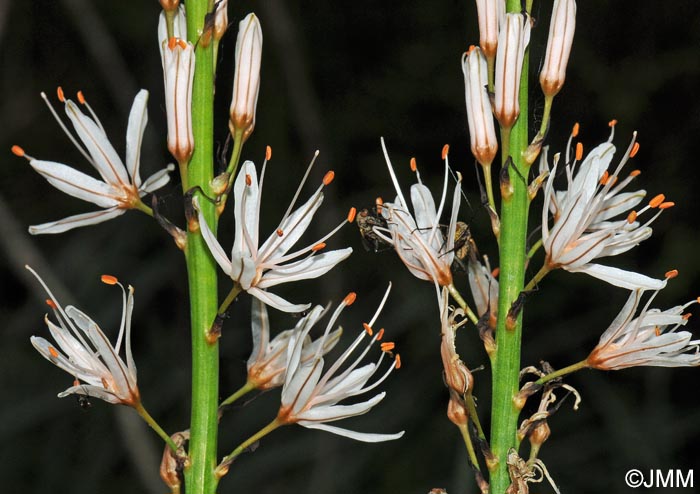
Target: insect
(464,246)
(83,400)
(366,221)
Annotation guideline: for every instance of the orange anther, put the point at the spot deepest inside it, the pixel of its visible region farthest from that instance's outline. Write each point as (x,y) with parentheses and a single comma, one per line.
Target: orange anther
(318,246)
(387,346)
(181,44)
(612,123)
(632,217)
(380,334)
(671,274)
(53,352)
(76,382)
(470,49)
(105,384)
(51,303)
(248,180)
(378,203)
(687,316)
(414,166)
(445,151)
(17,151)
(268,153)
(351,214)
(81,98)
(59,93)
(495,272)
(657,200)
(604,179)
(574,131)
(280,232)
(172,42)
(666,205)
(697,300)
(108,279)
(368,329)
(328,177)
(657,331)
(635,173)
(350,298)
(397,359)
(579,151)
(635,150)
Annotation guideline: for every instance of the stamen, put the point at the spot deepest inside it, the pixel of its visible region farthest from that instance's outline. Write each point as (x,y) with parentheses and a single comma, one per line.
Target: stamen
(318,246)
(368,329)
(657,331)
(579,151)
(172,42)
(397,359)
(387,346)
(350,298)
(59,93)
(248,180)
(105,384)
(666,205)
(51,303)
(496,272)
(280,232)
(378,203)
(108,279)
(81,98)
(414,166)
(686,316)
(351,214)
(181,44)
(53,352)
(380,334)
(612,123)
(604,179)
(635,150)
(657,200)
(671,274)
(76,382)
(445,151)
(635,173)
(574,131)
(17,151)
(632,217)
(470,49)
(268,153)
(328,177)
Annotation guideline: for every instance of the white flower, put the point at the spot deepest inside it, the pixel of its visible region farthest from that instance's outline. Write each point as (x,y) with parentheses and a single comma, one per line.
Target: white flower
(310,397)
(246,82)
(646,339)
(268,360)
(418,238)
(256,267)
(583,215)
(121,187)
(484,288)
(85,352)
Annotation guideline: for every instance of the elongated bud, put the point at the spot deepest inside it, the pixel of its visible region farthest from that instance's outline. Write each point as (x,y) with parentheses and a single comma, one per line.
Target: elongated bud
(178,73)
(246,83)
(490,14)
(512,41)
(561,36)
(220,19)
(482,132)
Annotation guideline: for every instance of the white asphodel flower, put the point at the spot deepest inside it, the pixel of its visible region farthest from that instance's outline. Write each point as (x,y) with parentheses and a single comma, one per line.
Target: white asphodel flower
(418,238)
(648,339)
(267,363)
(583,225)
(84,352)
(258,267)
(121,187)
(246,81)
(310,396)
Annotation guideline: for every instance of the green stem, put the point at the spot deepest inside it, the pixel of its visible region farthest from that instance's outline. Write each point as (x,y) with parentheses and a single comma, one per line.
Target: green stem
(200,475)
(506,358)
(562,372)
(229,299)
(140,206)
(222,469)
(242,391)
(546,114)
(154,425)
(533,250)
(232,167)
(461,302)
(544,270)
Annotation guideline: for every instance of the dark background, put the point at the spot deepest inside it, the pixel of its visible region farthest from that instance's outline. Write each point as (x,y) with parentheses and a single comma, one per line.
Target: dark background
(336,77)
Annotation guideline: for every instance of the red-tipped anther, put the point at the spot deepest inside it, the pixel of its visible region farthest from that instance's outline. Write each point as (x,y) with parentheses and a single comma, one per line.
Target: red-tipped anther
(328,177)
(495,272)
(378,203)
(657,331)
(76,382)
(470,49)
(351,214)
(687,316)
(445,151)
(59,93)
(574,131)
(81,97)
(17,151)
(51,303)
(612,123)
(666,205)
(671,274)
(350,298)
(368,329)
(248,180)
(413,164)
(380,334)
(604,179)
(387,346)
(657,200)
(181,43)
(53,352)
(172,42)
(397,359)
(632,217)
(635,173)
(697,300)
(280,232)
(579,151)
(318,246)
(635,150)
(108,279)
(268,153)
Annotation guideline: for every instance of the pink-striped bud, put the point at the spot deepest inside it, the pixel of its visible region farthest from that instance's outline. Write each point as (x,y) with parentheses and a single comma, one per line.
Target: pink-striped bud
(561,36)
(512,42)
(490,14)
(246,83)
(482,132)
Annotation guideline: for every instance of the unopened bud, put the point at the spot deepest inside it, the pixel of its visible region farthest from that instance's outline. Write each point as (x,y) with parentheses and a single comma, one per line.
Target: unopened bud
(246,83)
(179,28)
(220,19)
(561,36)
(482,132)
(219,183)
(457,410)
(490,14)
(178,74)
(457,376)
(512,41)
(173,462)
(540,433)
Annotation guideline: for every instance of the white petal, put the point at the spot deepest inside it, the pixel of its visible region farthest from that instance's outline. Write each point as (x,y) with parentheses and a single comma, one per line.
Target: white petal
(77,184)
(260,326)
(214,246)
(276,301)
(245,212)
(92,392)
(338,412)
(620,277)
(358,436)
(76,221)
(157,180)
(309,268)
(423,206)
(138,117)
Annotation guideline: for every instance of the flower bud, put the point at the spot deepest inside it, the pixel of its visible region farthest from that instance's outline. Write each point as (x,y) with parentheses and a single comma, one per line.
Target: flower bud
(220,19)
(561,36)
(457,410)
(179,28)
(482,133)
(512,41)
(246,84)
(490,14)
(457,376)
(178,73)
